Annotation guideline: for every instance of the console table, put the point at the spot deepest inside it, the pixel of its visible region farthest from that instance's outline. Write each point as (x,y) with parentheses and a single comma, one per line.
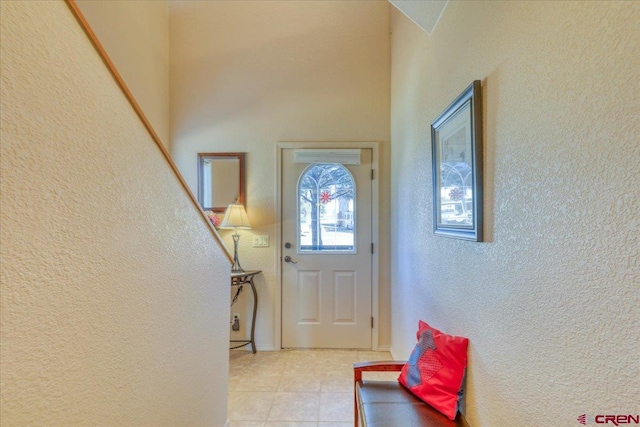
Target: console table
(238,280)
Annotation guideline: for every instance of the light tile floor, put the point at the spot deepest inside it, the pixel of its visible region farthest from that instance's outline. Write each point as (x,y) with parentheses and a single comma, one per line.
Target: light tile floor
(295,388)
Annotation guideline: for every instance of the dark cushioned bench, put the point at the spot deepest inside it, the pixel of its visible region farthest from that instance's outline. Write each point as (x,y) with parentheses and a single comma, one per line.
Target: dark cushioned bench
(389,404)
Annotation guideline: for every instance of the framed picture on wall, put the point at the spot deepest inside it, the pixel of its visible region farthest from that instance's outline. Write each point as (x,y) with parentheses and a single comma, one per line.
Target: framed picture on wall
(456,144)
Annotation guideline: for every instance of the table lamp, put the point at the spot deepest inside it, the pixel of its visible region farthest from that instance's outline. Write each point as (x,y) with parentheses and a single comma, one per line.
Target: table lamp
(235,217)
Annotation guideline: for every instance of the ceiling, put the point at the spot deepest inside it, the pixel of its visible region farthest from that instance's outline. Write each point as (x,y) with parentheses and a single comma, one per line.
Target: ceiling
(425,13)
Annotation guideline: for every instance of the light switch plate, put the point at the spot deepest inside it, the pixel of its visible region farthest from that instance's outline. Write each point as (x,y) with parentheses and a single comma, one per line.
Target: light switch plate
(261,241)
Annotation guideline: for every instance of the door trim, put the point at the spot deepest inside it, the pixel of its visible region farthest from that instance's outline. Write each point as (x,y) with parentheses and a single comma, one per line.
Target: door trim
(375,227)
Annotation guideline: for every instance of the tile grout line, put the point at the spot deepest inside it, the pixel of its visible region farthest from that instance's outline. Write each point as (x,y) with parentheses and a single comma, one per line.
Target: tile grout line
(284,362)
(284,369)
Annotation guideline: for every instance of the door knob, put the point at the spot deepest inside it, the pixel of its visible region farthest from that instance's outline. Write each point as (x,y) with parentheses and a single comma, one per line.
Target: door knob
(288,259)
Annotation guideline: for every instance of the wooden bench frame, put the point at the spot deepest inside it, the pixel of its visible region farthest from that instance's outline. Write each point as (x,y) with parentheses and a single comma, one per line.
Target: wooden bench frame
(379,366)
(386,366)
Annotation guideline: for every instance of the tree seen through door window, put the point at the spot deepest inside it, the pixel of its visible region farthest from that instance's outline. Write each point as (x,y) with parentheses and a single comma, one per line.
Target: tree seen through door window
(326,221)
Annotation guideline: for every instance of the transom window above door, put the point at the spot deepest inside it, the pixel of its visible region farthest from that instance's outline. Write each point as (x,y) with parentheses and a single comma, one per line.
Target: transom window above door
(326,209)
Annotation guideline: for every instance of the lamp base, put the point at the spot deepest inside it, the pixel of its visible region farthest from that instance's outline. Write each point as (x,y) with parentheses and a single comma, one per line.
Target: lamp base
(236,267)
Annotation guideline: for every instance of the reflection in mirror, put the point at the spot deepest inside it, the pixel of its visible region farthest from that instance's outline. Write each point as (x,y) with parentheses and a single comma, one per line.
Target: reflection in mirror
(220,180)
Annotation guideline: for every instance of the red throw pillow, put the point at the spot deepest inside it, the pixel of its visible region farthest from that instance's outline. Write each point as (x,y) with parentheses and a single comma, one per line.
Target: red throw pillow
(435,371)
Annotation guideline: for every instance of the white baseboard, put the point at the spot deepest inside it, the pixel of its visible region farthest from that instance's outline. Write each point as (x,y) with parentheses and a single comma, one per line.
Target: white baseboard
(267,348)
(258,348)
(385,347)
(394,354)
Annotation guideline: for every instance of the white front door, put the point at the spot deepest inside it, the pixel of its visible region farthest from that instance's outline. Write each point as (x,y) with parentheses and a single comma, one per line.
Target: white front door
(326,201)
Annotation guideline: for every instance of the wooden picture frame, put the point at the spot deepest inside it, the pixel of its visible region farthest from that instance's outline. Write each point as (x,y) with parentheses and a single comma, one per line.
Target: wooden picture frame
(221,180)
(456,144)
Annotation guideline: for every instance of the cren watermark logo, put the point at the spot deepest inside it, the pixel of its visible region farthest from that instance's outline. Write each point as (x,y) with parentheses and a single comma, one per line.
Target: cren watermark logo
(616,420)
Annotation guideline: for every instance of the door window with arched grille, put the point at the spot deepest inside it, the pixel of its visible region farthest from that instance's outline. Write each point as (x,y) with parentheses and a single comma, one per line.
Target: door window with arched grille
(326,209)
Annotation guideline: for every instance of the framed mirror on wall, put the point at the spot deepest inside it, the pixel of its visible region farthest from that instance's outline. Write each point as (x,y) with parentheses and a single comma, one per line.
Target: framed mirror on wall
(220,180)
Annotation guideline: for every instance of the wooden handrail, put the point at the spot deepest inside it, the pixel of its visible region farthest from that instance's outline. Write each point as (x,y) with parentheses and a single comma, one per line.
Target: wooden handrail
(127,93)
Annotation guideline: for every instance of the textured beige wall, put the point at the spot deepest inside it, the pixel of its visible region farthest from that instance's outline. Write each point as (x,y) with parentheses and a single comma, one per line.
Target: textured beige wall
(551,301)
(114,292)
(245,75)
(135,35)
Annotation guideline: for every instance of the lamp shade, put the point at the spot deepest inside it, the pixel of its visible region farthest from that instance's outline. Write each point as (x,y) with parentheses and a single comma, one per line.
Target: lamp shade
(235,217)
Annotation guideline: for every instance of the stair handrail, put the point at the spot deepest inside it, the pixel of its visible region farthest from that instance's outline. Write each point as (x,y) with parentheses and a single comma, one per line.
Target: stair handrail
(136,107)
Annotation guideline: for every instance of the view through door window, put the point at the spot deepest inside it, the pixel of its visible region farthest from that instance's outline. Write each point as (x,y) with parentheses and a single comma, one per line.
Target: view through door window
(326,209)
